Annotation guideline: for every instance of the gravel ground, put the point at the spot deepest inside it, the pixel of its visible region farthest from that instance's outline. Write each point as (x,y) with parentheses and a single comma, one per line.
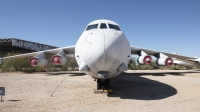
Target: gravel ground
(148,91)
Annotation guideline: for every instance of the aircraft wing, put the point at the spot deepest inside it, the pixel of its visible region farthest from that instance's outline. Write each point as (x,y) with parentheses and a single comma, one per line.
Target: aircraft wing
(68,50)
(136,50)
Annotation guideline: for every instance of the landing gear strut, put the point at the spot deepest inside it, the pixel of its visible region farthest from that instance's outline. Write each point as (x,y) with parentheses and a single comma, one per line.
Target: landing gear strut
(103,84)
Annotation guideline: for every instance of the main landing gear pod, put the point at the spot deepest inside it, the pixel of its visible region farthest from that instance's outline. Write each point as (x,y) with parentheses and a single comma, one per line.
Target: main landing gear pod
(122,67)
(84,67)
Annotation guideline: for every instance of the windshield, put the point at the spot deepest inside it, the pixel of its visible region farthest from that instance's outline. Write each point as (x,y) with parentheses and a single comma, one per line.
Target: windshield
(114,27)
(103,26)
(94,26)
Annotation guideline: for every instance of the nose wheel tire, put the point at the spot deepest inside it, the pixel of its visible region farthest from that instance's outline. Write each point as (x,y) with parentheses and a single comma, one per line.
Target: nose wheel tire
(99,84)
(107,84)
(103,84)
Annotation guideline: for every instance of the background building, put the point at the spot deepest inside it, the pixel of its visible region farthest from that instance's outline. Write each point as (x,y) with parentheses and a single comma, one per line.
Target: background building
(14,45)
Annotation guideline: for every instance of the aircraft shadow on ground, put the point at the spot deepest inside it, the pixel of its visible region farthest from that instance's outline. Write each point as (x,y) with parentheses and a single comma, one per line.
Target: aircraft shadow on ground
(77,74)
(181,73)
(14,100)
(133,86)
(63,73)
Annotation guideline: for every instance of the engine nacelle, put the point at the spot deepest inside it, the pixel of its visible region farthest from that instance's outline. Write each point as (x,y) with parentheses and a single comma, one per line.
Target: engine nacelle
(59,60)
(183,63)
(35,61)
(164,61)
(144,60)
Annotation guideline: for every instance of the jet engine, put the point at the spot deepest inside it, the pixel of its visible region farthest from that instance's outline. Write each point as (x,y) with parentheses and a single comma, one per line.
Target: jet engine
(59,60)
(164,61)
(38,61)
(144,60)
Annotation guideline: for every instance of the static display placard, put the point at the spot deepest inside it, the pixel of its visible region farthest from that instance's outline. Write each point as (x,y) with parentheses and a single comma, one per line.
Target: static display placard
(2,91)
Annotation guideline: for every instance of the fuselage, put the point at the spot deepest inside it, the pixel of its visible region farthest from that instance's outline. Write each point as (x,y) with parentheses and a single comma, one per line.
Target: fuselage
(102,49)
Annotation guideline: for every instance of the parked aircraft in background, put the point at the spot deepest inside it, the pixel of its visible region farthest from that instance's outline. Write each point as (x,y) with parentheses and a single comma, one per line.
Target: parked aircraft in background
(103,52)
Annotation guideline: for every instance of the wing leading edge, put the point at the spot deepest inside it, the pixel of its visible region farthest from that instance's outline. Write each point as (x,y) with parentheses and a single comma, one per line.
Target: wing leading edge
(136,50)
(68,50)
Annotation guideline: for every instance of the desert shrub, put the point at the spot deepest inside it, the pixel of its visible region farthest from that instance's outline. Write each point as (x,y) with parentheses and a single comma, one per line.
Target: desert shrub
(132,64)
(19,64)
(23,65)
(15,64)
(71,62)
(64,68)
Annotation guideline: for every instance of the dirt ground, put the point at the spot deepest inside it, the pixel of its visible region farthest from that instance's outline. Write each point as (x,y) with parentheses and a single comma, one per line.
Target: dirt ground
(148,91)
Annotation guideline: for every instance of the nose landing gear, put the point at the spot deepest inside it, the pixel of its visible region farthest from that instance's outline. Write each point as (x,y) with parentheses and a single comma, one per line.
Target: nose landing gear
(103,86)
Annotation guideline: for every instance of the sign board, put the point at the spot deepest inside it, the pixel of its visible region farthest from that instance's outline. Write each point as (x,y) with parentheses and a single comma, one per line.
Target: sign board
(2,91)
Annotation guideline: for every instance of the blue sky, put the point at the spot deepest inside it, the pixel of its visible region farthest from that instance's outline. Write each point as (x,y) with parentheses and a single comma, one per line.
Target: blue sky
(163,25)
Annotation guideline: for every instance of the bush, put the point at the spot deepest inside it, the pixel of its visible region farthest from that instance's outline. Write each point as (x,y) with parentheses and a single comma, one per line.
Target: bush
(23,65)
(132,65)
(64,68)
(15,64)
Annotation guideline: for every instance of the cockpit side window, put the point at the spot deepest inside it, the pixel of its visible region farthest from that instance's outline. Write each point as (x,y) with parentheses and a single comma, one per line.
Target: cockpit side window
(114,27)
(90,27)
(103,26)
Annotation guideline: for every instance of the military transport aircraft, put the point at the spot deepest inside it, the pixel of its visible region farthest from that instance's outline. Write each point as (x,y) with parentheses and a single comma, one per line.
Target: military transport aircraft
(103,52)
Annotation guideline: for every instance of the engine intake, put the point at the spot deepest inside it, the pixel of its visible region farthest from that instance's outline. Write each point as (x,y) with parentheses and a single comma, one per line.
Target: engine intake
(164,61)
(144,60)
(59,60)
(38,61)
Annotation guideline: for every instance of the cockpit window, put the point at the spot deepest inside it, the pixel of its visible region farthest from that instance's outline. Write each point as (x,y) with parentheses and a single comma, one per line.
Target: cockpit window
(114,27)
(90,27)
(103,26)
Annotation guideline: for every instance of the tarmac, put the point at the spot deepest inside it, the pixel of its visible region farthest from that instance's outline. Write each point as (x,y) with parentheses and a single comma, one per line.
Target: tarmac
(134,90)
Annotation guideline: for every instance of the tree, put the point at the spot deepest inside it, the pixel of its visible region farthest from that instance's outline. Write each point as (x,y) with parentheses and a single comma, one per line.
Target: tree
(132,64)
(71,62)
(15,64)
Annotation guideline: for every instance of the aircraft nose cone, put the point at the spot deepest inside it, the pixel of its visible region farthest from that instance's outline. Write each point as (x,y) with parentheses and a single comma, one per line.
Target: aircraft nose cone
(101,49)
